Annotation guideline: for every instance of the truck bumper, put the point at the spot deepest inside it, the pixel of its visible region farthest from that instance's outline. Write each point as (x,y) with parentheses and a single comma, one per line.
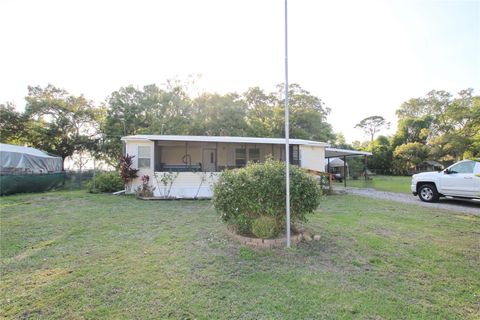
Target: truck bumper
(413,188)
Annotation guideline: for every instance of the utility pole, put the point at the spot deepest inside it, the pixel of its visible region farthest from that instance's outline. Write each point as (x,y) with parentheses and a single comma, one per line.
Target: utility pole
(287,133)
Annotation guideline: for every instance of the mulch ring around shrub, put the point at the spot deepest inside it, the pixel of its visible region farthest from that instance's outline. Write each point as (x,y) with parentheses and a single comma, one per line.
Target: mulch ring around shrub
(271,243)
(171,198)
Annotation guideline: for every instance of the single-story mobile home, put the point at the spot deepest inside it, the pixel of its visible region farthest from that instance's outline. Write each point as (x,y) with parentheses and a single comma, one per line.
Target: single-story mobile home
(194,162)
(188,166)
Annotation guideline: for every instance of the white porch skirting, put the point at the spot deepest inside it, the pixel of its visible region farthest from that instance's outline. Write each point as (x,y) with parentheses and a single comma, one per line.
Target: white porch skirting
(186,185)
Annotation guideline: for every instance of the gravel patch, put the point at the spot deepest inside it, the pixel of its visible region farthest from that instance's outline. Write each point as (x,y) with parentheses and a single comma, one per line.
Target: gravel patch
(463,206)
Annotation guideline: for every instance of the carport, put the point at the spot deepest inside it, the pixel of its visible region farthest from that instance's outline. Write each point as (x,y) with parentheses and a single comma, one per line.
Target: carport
(343,154)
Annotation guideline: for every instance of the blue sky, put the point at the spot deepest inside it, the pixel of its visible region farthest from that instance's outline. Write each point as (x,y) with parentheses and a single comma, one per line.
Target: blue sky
(362,58)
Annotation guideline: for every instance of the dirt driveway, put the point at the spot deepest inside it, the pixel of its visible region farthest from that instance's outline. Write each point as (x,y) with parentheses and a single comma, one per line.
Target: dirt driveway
(464,206)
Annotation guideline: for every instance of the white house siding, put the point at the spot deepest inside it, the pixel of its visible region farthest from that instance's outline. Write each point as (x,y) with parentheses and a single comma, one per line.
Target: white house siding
(187,185)
(312,157)
(132,150)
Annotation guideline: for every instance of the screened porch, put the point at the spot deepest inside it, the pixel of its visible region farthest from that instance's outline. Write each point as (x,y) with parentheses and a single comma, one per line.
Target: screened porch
(194,156)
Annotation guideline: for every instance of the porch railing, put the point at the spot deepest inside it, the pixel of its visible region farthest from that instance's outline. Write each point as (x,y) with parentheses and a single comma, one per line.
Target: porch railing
(179,167)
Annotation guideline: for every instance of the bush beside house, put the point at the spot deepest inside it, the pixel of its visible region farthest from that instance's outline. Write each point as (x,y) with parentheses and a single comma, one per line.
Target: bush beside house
(252,199)
(106,182)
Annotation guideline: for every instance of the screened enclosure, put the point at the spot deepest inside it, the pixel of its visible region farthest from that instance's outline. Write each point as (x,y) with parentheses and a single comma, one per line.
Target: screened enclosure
(25,169)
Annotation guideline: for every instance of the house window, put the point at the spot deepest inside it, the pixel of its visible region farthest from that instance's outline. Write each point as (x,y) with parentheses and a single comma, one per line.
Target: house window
(295,155)
(240,157)
(254,155)
(144,157)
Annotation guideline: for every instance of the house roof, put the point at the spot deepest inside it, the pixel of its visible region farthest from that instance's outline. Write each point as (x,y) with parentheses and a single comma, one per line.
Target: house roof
(335,153)
(227,139)
(10,148)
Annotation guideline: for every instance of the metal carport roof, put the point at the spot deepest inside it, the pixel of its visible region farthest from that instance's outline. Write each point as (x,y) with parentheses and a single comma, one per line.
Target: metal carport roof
(340,153)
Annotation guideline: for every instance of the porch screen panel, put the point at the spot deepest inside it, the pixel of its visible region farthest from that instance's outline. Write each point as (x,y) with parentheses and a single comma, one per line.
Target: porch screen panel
(240,157)
(254,155)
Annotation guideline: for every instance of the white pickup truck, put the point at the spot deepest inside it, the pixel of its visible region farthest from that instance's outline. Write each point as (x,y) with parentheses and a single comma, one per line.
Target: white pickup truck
(460,180)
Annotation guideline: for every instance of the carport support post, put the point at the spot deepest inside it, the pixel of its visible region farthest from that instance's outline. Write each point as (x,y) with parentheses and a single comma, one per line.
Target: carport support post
(345,174)
(216,157)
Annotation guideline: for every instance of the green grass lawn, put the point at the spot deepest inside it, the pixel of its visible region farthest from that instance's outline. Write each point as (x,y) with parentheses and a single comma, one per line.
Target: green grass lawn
(383,183)
(72,255)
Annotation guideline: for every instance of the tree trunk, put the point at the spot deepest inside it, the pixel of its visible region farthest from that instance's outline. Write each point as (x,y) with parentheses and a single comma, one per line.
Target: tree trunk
(63,170)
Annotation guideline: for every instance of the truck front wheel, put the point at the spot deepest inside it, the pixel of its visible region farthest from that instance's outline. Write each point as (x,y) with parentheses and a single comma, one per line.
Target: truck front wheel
(428,193)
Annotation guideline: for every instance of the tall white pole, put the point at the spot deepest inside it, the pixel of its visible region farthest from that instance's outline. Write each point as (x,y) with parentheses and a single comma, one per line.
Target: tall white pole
(287,133)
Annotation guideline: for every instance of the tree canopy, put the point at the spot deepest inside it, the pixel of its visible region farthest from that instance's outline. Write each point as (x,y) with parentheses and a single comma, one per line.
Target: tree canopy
(12,124)
(54,121)
(372,125)
(449,125)
(438,126)
(152,110)
(61,123)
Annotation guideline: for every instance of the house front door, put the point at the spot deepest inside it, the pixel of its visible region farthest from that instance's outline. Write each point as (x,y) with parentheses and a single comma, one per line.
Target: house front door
(209,160)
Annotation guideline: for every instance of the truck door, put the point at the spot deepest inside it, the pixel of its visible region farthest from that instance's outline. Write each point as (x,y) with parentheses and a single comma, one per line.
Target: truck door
(476,178)
(460,180)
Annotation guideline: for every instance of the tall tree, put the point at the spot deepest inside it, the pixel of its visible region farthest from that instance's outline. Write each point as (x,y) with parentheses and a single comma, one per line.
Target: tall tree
(372,125)
(340,142)
(125,115)
(449,125)
(148,110)
(382,155)
(260,112)
(60,123)
(410,155)
(472,129)
(219,115)
(12,124)
(413,108)
(169,110)
(308,115)
(412,130)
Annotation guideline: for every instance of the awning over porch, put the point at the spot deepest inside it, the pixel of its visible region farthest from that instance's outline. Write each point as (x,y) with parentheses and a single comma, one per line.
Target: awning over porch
(224,139)
(340,153)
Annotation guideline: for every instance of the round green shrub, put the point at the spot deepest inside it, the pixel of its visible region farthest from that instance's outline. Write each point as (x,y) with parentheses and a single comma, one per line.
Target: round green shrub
(243,195)
(106,182)
(265,227)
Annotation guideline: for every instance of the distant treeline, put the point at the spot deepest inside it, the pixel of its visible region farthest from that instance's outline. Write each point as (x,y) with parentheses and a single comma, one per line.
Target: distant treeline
(62,124)
(437,126)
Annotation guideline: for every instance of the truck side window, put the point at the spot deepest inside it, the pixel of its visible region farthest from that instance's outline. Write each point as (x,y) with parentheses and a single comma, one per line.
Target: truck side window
(464,167)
